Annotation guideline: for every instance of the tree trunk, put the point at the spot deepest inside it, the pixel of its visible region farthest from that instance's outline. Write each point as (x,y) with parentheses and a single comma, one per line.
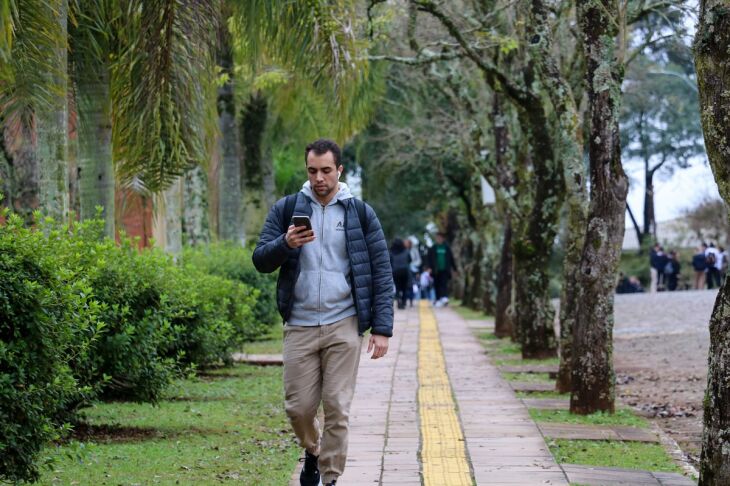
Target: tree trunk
(712,44)
(52,132)
(593,379)
(254,179)
(502,319)
(639,235)
(269,178)
(649,218)
(95,164)
(26,172)
(532,250)
(230,198)
(7,176)
(570,295)
(196,227)
(168,219)
(568,147)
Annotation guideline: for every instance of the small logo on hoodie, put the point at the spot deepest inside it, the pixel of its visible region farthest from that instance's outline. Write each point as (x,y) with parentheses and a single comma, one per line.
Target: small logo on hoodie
(340,226)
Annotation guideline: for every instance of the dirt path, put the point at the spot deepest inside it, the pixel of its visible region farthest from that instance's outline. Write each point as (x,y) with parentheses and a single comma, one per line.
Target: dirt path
(660,353)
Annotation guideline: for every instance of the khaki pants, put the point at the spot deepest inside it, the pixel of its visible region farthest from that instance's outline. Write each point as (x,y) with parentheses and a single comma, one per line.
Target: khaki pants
(654,279)
(699,280)
(320,365)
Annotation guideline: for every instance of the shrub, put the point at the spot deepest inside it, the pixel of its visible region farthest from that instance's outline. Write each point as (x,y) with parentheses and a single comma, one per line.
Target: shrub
(234,262)
(46,320)
(81,317)
(128,360)
(211,315)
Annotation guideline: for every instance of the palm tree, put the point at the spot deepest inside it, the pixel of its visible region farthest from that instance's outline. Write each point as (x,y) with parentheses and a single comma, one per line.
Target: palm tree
(269,53)
(33,107)
(143,64)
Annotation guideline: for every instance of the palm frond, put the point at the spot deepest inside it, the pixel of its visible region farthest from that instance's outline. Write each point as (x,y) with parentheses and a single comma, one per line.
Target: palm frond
(162,90)
(29,79)
(8,17)
(315,37)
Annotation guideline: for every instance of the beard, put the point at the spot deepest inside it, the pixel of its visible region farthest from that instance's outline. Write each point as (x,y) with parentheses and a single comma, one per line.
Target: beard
(324,191)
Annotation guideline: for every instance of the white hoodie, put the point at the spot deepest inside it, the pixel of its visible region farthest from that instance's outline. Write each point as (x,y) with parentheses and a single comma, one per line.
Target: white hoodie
(323,293)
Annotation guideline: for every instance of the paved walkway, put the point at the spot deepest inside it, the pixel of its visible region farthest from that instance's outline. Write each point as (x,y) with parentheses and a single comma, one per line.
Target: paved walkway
(436,412)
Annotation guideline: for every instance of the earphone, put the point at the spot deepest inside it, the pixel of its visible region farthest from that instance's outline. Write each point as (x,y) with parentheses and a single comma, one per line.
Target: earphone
(339,174)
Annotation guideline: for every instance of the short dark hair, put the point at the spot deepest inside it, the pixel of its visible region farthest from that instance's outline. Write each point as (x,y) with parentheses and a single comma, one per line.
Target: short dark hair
(321,147)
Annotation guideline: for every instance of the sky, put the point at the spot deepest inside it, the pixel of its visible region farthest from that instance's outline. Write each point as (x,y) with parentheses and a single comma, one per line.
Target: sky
(684,189)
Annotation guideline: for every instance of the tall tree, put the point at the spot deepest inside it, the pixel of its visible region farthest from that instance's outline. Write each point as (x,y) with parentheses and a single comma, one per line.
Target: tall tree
(712,44)
(33,104)
(661,126)
(593,379)
(93,47)
(230,203)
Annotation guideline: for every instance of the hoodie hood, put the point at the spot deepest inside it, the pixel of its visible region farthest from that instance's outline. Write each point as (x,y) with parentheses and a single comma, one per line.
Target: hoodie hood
(342,193)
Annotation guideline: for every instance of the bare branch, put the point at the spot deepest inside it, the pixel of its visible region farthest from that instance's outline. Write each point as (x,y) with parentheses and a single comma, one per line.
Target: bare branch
(492,72)
(420,59)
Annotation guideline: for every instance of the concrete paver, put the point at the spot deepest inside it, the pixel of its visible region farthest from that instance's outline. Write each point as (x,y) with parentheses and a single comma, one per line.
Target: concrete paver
(435,411)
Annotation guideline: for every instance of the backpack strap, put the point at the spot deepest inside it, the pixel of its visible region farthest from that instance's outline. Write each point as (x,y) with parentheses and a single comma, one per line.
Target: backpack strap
(289,204)
(360,207)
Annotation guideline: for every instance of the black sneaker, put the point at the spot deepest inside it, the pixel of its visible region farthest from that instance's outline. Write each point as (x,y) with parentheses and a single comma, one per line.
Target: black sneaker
(310,471)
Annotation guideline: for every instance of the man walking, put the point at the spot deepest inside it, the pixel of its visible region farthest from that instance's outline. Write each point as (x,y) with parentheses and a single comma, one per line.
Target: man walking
(441,261)
(335,283)
(713,260)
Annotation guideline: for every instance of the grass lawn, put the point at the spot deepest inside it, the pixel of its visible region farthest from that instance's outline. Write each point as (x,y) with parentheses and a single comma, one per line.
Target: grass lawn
(497,345)
(517,361)
(542,394)
(226,425)
(620,417)
(470,314)
(271,343)
(605,453)
(529,377)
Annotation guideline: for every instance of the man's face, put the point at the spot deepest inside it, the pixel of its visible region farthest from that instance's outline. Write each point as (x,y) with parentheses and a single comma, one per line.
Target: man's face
(440,239)
(322,173)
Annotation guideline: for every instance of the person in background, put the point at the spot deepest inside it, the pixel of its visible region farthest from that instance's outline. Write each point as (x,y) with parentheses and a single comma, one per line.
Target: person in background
(671,270)
(628,285)
(654,267)
(413,267)
(635,284)
(400,260)
(661,260)
(441,262)
(714,264)
(725,261)
(426,284)
(699,265)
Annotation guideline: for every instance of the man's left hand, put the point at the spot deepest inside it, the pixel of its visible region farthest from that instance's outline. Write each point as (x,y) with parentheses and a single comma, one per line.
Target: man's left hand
(378,345)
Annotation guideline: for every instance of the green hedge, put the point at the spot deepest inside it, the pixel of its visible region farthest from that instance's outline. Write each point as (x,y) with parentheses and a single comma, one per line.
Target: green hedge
(234,262)
(47,321)
(82,318)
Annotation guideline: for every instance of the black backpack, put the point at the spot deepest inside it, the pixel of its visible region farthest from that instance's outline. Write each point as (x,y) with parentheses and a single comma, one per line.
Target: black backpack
(710,259)
(291,202)
(401,261)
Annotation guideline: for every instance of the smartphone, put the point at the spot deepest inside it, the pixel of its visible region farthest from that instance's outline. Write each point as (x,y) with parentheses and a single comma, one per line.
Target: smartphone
(301,221)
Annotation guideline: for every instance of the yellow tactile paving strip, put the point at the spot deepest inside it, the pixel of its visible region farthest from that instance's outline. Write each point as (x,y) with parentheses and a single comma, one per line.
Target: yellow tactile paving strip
(443,454)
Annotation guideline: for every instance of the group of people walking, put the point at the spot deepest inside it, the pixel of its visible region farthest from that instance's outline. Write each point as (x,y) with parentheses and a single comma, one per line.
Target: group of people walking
(424,276)
(709,264)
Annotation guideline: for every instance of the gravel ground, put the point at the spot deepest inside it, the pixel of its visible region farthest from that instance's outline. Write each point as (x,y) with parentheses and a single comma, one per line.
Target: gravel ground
(660,352)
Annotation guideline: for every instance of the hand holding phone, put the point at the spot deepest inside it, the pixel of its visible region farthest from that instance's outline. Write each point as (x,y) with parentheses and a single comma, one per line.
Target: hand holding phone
(299,221)
(300,232)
